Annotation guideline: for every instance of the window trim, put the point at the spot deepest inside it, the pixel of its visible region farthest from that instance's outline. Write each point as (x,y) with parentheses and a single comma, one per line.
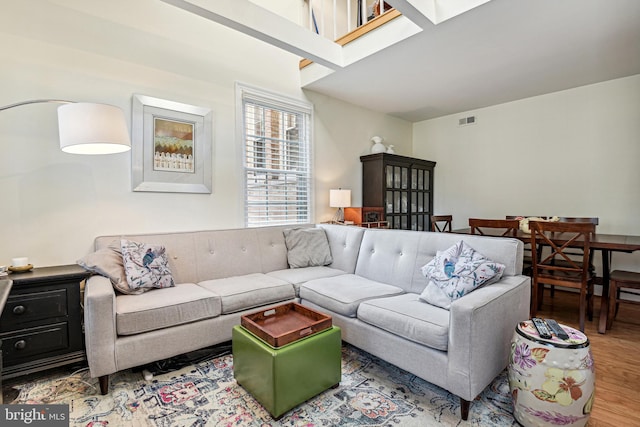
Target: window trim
(277,101)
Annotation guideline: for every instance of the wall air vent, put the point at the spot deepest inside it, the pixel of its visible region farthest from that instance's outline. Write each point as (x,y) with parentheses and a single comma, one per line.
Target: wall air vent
(471,120)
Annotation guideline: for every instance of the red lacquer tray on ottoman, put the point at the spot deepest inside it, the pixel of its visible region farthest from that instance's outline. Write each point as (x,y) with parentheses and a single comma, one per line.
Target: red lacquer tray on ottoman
(285,323)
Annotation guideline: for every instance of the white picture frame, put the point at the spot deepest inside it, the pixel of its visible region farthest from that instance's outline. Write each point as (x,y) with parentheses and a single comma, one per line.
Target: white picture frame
(171,147)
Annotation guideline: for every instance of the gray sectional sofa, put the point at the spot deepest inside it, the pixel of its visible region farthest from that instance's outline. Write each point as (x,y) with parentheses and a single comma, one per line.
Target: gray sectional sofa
(370,289)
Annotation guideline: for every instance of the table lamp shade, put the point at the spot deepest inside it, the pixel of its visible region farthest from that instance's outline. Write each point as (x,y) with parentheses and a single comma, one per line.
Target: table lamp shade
(88,128)
(339,198)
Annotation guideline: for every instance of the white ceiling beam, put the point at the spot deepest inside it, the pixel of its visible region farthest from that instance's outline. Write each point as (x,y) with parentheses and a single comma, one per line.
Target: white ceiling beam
(447,9)
(255,21)
(420,12)
(427,12)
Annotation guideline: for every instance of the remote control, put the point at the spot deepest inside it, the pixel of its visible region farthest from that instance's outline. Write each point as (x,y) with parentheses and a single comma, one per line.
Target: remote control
(556,329)
(542,328)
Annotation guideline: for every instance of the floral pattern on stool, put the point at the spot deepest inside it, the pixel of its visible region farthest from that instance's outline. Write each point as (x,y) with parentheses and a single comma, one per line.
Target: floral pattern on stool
(552,381)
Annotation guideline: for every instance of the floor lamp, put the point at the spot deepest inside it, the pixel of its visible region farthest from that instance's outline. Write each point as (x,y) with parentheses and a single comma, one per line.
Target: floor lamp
(88,128)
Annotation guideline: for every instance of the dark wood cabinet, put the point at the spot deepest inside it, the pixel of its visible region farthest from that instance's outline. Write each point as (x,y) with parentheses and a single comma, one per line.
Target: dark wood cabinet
(402,185)
(41,324)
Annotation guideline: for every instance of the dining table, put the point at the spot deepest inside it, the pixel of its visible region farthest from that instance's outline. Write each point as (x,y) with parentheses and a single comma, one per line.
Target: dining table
(607,244)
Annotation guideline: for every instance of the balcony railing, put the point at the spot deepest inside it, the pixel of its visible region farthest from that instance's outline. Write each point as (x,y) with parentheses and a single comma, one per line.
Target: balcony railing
(343,21)
(334,18)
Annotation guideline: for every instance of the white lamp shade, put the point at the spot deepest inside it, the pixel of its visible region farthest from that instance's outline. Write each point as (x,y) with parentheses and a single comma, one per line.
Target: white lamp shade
(87,128)
(340,198)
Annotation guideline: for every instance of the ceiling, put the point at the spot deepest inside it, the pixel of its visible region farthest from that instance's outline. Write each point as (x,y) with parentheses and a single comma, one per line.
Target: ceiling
(501,51)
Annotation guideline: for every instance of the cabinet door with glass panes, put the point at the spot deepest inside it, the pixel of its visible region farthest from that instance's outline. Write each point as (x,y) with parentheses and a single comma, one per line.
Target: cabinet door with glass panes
(403,186)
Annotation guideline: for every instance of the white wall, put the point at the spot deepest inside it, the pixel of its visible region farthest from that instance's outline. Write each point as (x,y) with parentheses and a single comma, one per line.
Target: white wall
(569,153)
(54,204)
(342,134)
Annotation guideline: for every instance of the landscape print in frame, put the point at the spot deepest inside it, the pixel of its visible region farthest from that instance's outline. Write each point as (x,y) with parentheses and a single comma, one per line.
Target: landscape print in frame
(172,146)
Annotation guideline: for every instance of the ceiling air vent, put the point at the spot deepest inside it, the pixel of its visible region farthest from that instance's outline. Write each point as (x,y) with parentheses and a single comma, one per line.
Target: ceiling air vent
(471,120)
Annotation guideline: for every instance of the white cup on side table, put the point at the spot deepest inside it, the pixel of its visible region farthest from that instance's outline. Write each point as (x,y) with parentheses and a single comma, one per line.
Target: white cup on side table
(22,261)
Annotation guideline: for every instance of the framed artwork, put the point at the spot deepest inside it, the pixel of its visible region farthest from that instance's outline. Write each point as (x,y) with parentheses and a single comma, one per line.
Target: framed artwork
(171,146)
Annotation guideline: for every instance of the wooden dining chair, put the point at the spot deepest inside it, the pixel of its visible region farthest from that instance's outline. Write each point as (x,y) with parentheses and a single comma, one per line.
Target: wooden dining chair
(527,260)
(441,223)
(562,237)
(576,253)
(507,227)
(621,282)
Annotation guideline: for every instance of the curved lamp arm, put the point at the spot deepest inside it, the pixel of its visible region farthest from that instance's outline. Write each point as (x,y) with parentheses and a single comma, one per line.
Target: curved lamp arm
(87,128)
(36,101)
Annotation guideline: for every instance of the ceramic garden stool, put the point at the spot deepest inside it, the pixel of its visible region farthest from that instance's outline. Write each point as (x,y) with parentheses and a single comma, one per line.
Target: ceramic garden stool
(552,381)
(284,377)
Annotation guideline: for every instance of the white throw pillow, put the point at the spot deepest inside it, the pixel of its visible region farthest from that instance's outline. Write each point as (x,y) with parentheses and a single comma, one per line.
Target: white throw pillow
(146,266)
(455,272)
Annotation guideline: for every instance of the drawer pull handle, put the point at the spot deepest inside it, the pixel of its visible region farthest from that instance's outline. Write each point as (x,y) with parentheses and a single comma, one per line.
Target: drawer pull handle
(306,331)
(20,345)
(19,309)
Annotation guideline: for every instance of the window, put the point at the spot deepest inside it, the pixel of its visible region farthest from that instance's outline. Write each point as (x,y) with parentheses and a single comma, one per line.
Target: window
(276,137)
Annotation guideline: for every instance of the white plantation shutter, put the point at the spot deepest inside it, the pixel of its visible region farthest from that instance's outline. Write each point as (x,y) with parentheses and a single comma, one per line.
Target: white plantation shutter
(277,162)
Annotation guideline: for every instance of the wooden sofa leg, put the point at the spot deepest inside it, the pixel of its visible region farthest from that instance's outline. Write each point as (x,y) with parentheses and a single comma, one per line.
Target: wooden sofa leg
(104,384)
(464,409)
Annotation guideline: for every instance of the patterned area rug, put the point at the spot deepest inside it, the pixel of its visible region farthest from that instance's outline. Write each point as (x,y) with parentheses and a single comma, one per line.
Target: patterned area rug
(371,393)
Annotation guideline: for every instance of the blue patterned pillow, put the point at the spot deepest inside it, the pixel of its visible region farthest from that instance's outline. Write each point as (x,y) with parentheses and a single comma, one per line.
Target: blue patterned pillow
(454,273)
(146,266)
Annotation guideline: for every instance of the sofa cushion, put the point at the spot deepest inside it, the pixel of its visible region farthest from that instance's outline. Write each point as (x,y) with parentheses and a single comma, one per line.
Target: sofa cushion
(342,294)
(405,315)
(297,276)
(145,265)
(344,242)
(389,256)
(252,290)
(307,247)
(107,262)
(163,308)
(457,271)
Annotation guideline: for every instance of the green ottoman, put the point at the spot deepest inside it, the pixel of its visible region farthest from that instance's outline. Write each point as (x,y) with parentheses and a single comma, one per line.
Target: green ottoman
(282,378)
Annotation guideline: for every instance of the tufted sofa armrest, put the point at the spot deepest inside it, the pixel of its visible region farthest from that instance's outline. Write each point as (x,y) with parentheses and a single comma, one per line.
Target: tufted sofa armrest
(480,331)
(100,320)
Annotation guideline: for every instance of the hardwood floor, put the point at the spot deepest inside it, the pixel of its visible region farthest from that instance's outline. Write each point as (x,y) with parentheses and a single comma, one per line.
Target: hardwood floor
(616,357)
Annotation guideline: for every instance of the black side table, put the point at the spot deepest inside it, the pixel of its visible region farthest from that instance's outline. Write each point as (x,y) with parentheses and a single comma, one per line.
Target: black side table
(41,324)
(5,288)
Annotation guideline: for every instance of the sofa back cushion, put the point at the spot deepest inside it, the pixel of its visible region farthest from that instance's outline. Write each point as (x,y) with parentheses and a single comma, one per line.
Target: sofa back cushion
(344,242)
(179,249)
(389,256)
(214,254)
(396,257)
(228,253)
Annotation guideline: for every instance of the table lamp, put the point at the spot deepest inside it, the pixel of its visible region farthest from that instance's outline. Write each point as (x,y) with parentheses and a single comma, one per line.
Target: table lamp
(339,199)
